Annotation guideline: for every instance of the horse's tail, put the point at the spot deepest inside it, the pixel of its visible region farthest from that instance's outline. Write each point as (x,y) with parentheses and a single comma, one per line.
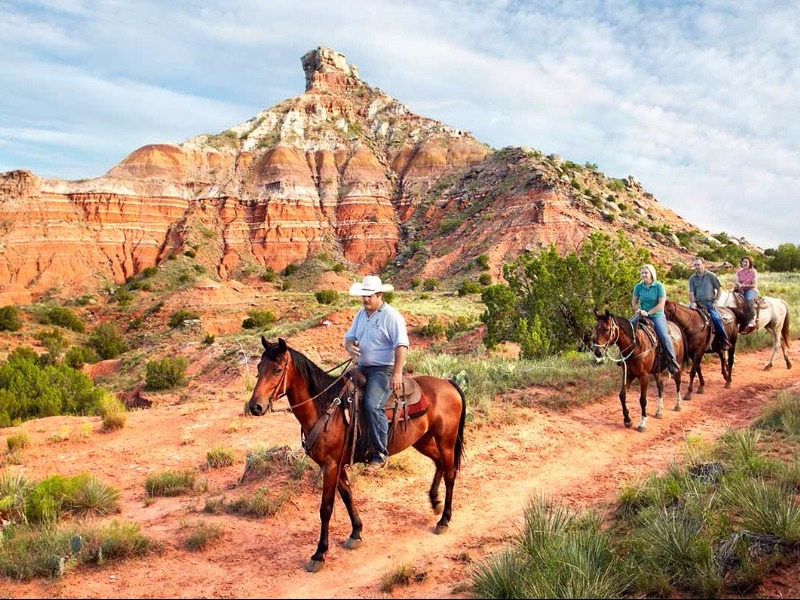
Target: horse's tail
(458,451)
(785,329)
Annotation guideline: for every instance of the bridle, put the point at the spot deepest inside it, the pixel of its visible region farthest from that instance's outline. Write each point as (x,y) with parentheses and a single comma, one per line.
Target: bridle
(613,338)
(276,395)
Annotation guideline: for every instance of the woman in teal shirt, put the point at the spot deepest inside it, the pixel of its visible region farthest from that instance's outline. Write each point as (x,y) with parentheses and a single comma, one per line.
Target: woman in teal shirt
(648,300)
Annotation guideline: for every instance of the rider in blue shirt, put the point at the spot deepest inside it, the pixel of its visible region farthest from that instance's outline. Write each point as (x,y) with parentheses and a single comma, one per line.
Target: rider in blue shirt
(648,300)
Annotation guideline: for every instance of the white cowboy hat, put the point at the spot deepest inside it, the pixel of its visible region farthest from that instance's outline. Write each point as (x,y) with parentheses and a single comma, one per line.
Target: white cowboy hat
(370,285)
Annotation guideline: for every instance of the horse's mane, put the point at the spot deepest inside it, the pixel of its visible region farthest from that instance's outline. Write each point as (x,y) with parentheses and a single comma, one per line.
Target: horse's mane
(317,380)
(626,326)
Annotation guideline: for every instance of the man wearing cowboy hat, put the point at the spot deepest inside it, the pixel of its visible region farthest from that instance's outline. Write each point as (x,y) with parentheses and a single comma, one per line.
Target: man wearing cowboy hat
(378,341)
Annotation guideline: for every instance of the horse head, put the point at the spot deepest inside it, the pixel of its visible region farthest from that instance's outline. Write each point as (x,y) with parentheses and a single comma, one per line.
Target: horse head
(606,333)
(271,377)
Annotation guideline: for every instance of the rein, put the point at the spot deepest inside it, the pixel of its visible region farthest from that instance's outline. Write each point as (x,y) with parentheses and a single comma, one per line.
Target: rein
(275,396)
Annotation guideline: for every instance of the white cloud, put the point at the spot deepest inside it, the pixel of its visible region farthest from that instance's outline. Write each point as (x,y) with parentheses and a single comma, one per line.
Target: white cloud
(696,100)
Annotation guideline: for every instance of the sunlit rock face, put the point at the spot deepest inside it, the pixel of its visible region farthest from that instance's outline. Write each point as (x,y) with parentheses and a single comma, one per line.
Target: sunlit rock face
(343,170)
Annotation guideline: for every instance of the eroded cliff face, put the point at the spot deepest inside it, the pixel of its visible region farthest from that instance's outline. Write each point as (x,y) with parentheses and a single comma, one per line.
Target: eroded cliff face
(337,169)
(342,169)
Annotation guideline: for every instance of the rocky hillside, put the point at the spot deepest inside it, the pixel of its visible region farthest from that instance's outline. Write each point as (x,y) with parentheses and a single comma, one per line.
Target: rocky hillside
(342,170)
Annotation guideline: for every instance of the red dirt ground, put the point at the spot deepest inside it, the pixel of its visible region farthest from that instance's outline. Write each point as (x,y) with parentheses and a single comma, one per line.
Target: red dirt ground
(583,455)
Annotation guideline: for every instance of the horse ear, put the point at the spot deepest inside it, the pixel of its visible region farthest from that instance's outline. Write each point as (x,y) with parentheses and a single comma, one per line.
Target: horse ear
(608,314)
(282,344)
(264,342)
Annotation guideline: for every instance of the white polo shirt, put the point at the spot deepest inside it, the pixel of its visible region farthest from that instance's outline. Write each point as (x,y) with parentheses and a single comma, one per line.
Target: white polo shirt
(378,335)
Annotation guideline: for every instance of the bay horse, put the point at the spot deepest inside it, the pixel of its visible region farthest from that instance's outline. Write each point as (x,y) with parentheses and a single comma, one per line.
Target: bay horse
(771,314)
(315,399)
(640,357)
(700,337)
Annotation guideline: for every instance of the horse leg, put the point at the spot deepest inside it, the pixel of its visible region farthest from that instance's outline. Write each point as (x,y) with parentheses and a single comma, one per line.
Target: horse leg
(785,354)
(701,381)
(660,400)
(329,472)
(626,416)
(774,333)
(731,357)
(427,446)
(726,375)
(346,493)
(643,402)
(442,455)
(677,379)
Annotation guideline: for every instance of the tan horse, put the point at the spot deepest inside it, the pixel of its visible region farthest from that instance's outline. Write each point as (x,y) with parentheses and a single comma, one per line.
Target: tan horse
(772,314)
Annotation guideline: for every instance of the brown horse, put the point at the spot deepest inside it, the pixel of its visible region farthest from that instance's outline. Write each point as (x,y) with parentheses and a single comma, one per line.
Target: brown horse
(315,398)
(640,357)
(700,337)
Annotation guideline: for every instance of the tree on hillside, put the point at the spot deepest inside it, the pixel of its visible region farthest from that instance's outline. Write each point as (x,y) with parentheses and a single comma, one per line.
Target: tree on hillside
(549,302)
(785,258)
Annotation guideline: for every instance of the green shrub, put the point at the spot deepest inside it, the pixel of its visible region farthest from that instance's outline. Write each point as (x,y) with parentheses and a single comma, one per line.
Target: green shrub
(181,315)
(54,341)
(166,373)
(220,457)
(430,284)
(434,328)
(326,296)
(17,441)
(485,279)
(290,268)
(170,483)
(269,275)
(124,296)
(77,356)
(9,319)
(107,341)
(113,412)
(29,390)
(63,317)
(258,319)
(483,262)
(469,287)
(148,272)
(388,297)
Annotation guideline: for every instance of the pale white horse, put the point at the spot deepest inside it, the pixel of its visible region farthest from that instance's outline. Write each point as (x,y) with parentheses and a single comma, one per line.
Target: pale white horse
(772,314)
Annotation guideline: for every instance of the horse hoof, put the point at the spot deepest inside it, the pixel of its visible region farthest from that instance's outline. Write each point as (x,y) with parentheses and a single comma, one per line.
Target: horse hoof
(628,424)
(314,566)
(641,429)
(438,507)
(352,543)
(677,408)
(727,384)
(768,367)
(440,529)
(658,415)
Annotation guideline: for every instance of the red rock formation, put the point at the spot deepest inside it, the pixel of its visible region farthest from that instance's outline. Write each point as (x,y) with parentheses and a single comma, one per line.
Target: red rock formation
(343,169)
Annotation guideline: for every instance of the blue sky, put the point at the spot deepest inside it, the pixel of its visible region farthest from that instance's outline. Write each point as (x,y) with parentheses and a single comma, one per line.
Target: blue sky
(700,101)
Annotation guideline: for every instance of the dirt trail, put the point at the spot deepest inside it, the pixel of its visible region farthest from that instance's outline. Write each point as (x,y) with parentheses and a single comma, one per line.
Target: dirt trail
(583,456)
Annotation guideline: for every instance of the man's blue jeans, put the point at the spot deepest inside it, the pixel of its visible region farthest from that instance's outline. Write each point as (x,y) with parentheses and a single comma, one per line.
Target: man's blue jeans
(376,393)
(716,320)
